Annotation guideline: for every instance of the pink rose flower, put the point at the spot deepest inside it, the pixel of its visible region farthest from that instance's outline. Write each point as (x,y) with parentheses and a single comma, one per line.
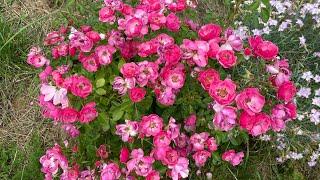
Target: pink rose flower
(36,58)
(129,70)
(213,49)
(161,139)
(53,38)
(173,22)
(81,41)
(102,152)
(122,85)
(208,77)
(148,71)
(180,169)
(190,123)
(209,31)
(106,14)
(53,160)
(151,125)
(287,91)
(198,141)
(104,54)
(225,119)
(196,52)
(232,157)
(267,50)
(127,130)
(94,36)
(124,155)
(88,113)
(90,63)
(227,58)
(200,157)
(170,158)
(79,85)
(223,92)
(156,20)
(172,54)
(110,172)
(153,175)
(211,144)
(134,27)
(174,78)
(137,94)
(250,100)
(69,115)
(61,50)
(256,125)
(71,130)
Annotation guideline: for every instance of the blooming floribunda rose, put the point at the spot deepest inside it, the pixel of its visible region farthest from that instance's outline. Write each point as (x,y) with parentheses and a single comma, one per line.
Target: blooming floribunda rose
(156,20)
(36,58)
(53,38)
(88,113)
(233,40)
(150,125)
(148,48)
(280,72)
(57,96)
(61,50)
(68,115)
(198,141)
(106,14)
(102,152)
(94,36)
(110,172)
(115,38)
(208,77)
(134,27)
(172,54)
(164,40)
(49,110)
(137,94)
(287,91)
(78,85)
(71,130)
(81,41)
(180,169)
(254,41)
(128,49)
(124,155)
(232,157)
(122,85)
(211,144)
(250,100)
(162,139)
(213,49)
(170,158)
(227,58)
(45,74)
(256,125)
(200,157)
(104,54)
(127,130)
(129,70)
(282,113)
(195,51)
(53,160)
(209,31)
(174,78)
(225,119)
(70,173)
(223,92)
(267,50)
(153,175)
(140,163)
(165,95)
(190,123)
(173,22)
(181,141)
(173,129)
(90,63)
(148,71)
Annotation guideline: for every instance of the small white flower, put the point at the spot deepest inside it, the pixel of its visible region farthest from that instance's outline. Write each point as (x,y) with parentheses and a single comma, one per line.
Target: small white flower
(209,175)
(316,101)
(302,40)
(307,76)
(272,22)
(265,137)
(312,163)
(317,92)
(300,22)
(257,32)
(300,117)
(315,116)
(304,92)
(316,54)
(316,78)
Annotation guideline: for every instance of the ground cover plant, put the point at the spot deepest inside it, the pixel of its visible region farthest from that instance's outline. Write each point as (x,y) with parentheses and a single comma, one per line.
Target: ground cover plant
(146,89)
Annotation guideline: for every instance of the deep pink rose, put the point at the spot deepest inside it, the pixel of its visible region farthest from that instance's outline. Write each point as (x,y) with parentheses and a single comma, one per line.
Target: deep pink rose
(110,172)
(223,92)
(287,91)
(173,22)
(257,124)
(137,94)
(88,113)
(69,115)
(208,77)
(227,58)
(172,54)
(79,85)
(267,50)
(129,70)
(102,152)
(124,155)
(209,31)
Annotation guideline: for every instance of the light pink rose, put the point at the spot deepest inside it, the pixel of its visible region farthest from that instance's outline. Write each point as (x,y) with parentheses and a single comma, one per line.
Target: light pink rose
(104,54)
(127,130)
(232,157)
(151,125)
(36,58)
(110,172)
(225,119)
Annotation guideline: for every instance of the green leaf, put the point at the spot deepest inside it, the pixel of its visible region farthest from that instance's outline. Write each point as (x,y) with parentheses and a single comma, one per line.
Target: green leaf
(215,158)
(100,82)
(265,14)
(121,62)
(117,114)
(266,2)
(255,5)
(101,91)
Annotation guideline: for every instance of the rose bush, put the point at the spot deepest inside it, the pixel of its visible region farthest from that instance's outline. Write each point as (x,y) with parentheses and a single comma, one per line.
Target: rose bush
(173,101)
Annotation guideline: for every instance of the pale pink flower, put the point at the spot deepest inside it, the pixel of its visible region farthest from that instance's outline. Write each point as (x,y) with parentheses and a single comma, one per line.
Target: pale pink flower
(200,157)
(36,58)
(180,169)
(104,54)
(198,141)
(53,160)
(110,172)
(122,85)
(57,96)
(127,130)
(232,157)
(195,51)
(173,129)
(150,125)
(225,119)
(71,130)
